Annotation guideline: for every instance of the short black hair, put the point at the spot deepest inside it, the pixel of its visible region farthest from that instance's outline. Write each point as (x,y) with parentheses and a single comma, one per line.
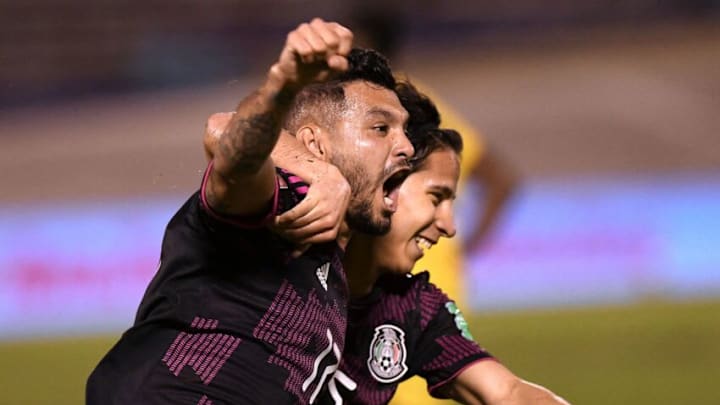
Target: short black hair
(324,100)
(423,128)
(370,66)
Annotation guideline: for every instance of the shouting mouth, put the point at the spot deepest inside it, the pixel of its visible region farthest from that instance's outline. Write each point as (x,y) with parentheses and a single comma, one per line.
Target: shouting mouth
(391,188)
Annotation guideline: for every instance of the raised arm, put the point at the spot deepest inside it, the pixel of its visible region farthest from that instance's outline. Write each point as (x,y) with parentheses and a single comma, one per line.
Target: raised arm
(491,383)
(241,179)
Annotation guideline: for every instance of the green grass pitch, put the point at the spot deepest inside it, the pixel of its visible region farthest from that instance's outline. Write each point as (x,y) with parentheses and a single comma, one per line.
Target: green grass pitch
(644,353)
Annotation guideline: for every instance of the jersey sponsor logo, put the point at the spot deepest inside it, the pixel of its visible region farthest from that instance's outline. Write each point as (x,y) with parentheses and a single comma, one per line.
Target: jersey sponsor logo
(387,354)
(322,274)
(460,321)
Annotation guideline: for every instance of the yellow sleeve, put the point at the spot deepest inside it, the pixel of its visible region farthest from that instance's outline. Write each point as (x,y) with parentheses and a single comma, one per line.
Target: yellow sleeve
(473,141)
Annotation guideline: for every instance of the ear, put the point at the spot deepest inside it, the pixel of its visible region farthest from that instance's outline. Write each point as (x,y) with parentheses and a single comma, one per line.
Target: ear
(315,140)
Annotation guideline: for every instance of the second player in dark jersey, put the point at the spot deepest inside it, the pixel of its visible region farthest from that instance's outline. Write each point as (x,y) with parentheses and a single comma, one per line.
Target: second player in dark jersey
(401,325)
(405,327)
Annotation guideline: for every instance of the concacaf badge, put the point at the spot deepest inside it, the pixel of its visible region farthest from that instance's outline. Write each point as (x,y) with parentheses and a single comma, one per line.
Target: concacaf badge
(387,354)
(460,321)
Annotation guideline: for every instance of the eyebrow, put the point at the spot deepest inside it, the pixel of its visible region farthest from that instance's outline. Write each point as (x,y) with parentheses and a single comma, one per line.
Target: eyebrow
(386,114)
(445,191)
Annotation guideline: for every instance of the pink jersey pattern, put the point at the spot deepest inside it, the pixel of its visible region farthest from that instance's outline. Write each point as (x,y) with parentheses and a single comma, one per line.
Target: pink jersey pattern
(205,352)
(431,300)
(454,349)
(204,401)
(299,328)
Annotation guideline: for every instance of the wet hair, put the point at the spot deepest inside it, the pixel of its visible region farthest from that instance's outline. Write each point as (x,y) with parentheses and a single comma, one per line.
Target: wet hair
(368,65)
(323,102)
(423,128)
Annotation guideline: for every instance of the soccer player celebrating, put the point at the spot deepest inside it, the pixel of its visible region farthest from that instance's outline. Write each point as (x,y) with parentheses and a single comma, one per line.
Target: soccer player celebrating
(401,325)
(234,315)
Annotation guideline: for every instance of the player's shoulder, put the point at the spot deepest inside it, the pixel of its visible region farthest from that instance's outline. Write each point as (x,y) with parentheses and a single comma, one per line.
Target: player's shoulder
(188,212)
(421,282)
(429,299)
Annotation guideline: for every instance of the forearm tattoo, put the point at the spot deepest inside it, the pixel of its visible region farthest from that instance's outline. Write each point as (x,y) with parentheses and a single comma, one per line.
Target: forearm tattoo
(249,141)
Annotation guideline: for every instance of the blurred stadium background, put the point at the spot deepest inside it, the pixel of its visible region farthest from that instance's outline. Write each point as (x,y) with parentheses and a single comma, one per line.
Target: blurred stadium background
(602,282)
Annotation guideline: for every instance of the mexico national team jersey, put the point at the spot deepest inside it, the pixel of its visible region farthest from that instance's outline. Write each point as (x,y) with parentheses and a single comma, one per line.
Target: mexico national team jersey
(230,318)
(405,327)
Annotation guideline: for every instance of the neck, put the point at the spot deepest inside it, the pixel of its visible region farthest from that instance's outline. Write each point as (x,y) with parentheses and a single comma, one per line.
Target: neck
(343,237)
(361,271)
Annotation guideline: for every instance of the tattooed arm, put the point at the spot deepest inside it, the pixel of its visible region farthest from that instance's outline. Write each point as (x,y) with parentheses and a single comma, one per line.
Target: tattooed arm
(242,178)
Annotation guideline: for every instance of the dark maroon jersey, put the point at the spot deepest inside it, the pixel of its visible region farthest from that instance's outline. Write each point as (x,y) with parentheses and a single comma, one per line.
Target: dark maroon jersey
(230,318)
(405,327)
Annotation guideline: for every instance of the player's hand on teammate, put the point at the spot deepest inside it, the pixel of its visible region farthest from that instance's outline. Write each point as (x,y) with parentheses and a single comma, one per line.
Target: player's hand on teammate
(312,53)
(319,217)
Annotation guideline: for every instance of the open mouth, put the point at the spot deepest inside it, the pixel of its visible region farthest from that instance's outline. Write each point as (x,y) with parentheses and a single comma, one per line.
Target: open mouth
(391,188)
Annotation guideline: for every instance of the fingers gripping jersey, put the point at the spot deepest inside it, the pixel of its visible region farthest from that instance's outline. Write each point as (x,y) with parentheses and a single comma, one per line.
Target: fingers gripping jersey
(230,318)
(405,327)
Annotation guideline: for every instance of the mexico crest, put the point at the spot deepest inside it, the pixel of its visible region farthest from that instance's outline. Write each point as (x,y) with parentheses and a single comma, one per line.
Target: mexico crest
(387,354)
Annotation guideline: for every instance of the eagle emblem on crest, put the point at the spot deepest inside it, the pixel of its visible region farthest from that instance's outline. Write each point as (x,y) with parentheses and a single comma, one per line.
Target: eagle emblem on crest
(387,354)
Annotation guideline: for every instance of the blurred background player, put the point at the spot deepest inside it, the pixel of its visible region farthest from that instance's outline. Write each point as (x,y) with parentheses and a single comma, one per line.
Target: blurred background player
(492,177)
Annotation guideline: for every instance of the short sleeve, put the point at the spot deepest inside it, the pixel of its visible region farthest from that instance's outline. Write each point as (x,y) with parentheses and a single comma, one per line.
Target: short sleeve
(445,346)
(255,221)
